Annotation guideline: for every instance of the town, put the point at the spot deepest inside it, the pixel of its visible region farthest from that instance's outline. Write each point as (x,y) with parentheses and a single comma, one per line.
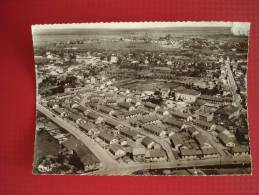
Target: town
(118,105)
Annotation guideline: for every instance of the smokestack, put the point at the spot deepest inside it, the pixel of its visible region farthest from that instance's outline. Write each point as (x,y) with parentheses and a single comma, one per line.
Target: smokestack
(240,28)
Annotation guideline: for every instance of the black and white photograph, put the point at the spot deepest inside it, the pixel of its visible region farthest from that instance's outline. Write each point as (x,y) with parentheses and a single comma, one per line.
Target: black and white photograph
(142,98)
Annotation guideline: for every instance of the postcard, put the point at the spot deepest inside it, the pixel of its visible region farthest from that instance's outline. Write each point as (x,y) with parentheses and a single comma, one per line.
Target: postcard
(142,98)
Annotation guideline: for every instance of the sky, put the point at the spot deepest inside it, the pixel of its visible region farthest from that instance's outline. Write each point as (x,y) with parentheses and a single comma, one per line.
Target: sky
(237,28)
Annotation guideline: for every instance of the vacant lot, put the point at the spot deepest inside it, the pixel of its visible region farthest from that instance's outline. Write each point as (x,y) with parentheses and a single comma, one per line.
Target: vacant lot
(45,145)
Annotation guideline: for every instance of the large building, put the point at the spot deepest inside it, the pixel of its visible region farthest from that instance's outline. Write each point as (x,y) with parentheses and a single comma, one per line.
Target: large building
(186,95)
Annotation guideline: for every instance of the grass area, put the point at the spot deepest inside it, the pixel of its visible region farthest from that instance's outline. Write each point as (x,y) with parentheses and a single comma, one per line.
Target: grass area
(45,145)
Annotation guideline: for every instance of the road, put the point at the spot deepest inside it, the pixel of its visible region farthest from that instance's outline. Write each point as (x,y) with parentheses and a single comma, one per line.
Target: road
(220,148)
(164,144)
(106,160)
(129,169)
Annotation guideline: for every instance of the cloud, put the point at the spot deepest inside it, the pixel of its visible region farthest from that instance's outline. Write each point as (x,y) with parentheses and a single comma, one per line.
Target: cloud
(240,28)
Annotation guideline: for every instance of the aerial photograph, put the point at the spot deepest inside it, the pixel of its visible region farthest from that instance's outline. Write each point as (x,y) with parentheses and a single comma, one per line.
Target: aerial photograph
(142,98)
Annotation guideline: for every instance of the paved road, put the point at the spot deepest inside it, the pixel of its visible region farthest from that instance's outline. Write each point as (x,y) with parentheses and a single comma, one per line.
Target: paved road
(164,144)
(219,147)
(106,160)
(129,169)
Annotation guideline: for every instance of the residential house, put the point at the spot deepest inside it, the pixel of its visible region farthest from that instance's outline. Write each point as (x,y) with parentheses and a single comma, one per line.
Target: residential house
(156,155)
(192,131)
(188,154)
(61,112)
(113,124)
(229,112)
(211,99)
(151,106)
(203,124)
(126,105)
(127,132)
(187,95)
(176,141)
(240,150)
(117,150)
(209,152)
(162,111)
(108,138)
(181,115)
(226,139)
(75,118)
(155,129)
(206,116)
(148,142)
(174,122)
(202,141)
(138,153)
(106,110)
(149,119)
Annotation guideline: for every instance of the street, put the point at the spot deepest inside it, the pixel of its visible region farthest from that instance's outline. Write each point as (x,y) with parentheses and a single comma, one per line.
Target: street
(101,154)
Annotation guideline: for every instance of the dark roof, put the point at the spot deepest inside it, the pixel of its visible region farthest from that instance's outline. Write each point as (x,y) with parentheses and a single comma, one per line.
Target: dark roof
(191,129)
(228,110)
(80,108)
(58,110)
(85,126)
(210,98)
(94,100)
(154,128)
(111,123)
(203,123)
(174,122)
(146,141)
(150,105)
(176,140)
(92,115)
(161,110)
(124,105)
(105,109)
(74,116)
(133,112)
(106,136)
(187,91)
(179,114)
(129,132)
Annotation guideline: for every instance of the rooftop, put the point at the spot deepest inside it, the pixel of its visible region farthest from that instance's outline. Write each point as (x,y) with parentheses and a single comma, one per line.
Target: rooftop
(187,91)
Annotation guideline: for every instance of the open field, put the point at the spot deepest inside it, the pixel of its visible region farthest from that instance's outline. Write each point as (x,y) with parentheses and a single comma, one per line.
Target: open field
(149,85)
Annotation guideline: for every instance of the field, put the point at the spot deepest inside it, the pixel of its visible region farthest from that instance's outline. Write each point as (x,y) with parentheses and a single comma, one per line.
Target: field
(149,84)
(45,145)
